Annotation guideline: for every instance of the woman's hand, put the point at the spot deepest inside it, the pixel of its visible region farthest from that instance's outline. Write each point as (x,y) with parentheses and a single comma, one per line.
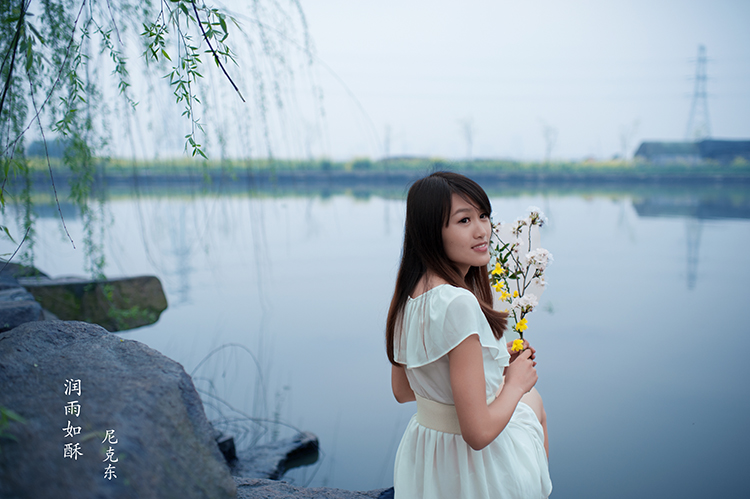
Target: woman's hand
(521,372)
(526,346)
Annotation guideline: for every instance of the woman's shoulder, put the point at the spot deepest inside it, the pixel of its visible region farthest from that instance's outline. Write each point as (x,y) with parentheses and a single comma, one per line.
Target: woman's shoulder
(439,320)
(449,299)
(444,291)
(450,294)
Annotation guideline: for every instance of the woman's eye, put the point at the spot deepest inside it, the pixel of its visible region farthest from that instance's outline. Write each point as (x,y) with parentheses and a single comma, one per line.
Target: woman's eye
(463,221)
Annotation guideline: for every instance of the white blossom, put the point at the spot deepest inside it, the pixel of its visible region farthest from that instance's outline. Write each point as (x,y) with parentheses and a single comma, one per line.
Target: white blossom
(518,226)
(539,281)
(528,300)
(525,303)
(515,246)
(540,258)
(536,216)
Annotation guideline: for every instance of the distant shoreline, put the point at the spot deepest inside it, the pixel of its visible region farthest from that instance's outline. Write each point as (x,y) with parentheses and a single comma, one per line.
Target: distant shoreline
(265,175)
(722,192)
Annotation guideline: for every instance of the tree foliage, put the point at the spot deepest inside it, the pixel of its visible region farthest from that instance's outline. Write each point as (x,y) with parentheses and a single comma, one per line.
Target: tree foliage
(61,58)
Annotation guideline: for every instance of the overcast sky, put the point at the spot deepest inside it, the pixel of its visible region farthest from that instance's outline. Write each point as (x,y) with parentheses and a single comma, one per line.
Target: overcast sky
(591,72)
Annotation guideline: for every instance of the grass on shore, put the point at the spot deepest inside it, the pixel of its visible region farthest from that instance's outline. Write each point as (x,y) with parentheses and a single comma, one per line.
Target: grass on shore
(117,167)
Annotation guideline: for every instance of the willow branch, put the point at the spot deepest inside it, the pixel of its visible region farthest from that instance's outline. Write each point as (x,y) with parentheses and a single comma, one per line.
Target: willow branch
(54,84)
(49,166)
(13,50)
(216,56)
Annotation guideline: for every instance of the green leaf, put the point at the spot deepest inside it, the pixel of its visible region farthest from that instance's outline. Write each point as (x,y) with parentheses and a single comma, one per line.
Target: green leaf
(36,33)
(7,232)
(11,415)
(29,57)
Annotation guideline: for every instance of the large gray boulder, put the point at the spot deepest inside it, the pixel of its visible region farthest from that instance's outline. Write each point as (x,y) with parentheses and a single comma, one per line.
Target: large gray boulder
(162,442)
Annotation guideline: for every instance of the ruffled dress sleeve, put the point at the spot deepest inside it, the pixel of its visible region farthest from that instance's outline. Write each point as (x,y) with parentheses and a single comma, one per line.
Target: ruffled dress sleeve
(437,321)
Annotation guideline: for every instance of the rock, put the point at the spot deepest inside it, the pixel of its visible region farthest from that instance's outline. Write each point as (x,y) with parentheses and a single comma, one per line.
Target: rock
(257,488)
(273,460)
(18,270)
(115,304)
(17,306)
(162,441)
(226,447)
(16,293)
(8,281)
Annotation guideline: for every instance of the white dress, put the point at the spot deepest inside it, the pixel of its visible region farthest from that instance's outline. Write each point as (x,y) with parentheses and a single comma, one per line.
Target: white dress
(431,464)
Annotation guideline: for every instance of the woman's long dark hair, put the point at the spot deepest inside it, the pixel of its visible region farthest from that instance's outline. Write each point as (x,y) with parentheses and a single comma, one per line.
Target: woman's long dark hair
(428,206)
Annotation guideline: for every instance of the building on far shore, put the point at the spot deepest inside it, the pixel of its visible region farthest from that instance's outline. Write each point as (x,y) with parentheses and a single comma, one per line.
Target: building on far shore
(708,150)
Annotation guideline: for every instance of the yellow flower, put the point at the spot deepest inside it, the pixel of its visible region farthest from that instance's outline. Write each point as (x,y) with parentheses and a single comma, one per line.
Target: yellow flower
(498,270)
(515,294)
(517,345)
(504,295)
(521,325)
(499,286)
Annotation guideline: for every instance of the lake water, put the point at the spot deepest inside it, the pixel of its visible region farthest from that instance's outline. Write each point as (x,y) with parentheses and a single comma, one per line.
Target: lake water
(642,335)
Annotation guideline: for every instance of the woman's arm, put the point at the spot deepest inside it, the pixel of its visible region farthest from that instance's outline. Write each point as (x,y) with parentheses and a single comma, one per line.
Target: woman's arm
(400,385)
(481,424)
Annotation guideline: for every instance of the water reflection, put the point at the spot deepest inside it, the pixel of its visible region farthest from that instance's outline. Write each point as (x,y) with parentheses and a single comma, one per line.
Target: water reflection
(694,209)
(181,252)
(300,279)
(694,206)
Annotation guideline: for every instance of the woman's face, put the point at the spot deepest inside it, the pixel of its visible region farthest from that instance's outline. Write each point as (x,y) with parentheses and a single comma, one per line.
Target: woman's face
(466,238)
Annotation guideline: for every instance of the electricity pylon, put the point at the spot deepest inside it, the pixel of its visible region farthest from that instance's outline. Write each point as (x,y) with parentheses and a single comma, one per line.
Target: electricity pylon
(698,126)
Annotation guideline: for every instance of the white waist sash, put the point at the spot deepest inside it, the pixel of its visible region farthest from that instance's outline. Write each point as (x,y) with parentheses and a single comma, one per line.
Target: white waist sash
(439,416)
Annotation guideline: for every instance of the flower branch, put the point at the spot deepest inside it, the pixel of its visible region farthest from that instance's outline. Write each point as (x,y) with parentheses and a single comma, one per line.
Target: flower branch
(515,269)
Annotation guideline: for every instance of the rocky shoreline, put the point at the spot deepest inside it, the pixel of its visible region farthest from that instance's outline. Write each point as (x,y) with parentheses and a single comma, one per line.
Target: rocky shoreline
(258,488)
(80,403)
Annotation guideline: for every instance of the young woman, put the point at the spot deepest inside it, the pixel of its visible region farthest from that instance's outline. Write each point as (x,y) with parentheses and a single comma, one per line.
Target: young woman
(480,428)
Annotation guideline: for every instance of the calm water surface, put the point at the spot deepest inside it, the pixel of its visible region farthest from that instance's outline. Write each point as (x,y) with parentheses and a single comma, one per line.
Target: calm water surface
(642,335)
